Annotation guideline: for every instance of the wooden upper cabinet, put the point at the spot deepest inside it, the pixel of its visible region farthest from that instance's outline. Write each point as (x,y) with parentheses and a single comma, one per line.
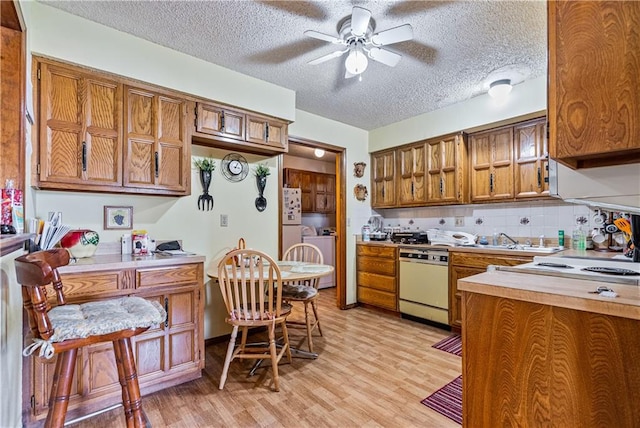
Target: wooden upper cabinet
(410,175)
(98,134)
(13,95)
(492,165)
(594,106)
(267,131)
(216,120)
(157,152)
(325,193)
(318,190)
(531,159)
(446,169)
(383,179)
(80,129)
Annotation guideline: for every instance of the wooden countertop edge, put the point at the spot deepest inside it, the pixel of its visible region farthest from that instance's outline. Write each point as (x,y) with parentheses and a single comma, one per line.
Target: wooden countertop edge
(127,261)
(459,249)
(561,292)
(11,243)
(564,253)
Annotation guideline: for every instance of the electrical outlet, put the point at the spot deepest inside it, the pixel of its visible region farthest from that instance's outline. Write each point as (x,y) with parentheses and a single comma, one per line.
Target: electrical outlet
(459,221)
(224,220)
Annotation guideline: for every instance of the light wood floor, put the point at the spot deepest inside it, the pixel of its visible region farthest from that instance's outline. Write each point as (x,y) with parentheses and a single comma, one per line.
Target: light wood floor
(373,370)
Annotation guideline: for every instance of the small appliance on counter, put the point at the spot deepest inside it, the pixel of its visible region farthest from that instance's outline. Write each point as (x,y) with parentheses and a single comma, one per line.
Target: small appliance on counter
(450,238)
(417,237)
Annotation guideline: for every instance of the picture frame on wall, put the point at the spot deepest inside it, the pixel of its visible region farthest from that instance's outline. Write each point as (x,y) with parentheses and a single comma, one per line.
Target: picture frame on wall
(118,217)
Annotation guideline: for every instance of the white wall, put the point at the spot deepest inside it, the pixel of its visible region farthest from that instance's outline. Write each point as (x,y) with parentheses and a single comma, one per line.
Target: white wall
(317,128)
(525,98)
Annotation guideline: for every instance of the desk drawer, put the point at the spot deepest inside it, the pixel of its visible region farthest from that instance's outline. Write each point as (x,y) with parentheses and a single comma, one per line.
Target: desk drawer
(84,285)
(175,275)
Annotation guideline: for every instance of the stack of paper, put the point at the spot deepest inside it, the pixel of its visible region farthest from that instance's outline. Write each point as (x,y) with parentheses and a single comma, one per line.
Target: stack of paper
(49,232)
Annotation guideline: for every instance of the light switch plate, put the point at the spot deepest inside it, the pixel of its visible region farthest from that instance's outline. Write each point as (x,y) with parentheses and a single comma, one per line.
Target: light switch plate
(459,221)
(224,220)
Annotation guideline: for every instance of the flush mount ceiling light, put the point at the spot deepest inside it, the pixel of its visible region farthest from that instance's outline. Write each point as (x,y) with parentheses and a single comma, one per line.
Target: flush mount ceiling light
(319,152)
(357,35)
(500,89)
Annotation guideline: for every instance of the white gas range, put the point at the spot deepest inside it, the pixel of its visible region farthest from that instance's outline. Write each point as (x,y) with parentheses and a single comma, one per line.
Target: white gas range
(618,271)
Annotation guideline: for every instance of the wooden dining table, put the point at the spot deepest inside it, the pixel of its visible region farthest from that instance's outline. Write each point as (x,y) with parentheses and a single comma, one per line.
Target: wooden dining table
(292,271)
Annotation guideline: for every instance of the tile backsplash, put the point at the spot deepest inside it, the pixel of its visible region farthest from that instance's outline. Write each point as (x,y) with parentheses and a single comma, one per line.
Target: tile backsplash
(523,219)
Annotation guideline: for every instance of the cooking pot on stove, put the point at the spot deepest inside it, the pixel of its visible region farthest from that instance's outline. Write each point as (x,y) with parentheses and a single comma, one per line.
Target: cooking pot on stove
(378,236)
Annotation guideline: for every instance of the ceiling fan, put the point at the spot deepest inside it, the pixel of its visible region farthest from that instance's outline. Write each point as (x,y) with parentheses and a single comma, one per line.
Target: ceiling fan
(358,39)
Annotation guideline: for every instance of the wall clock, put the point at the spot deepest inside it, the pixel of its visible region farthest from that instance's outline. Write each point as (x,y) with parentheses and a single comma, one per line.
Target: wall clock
(234,167)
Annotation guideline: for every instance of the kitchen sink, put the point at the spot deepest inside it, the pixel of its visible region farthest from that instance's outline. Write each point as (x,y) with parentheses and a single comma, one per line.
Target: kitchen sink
(523,248)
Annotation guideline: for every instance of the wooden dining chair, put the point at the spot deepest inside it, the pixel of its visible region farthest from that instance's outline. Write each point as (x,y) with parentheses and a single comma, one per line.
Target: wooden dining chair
(250,282)
(304,291)
(63,329)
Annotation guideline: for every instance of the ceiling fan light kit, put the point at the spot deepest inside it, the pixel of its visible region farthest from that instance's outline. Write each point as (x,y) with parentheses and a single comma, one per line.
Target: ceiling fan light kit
(356,62)
(356,33)
(500,89)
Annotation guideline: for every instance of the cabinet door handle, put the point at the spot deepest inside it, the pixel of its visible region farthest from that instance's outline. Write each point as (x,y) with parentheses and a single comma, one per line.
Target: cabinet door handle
(441,187)
(546,168)
(222,121)
(266,132)
(84,156)
(382,192)
(491,182)
(157,158)
(539,177)
(166,309)
(412,188)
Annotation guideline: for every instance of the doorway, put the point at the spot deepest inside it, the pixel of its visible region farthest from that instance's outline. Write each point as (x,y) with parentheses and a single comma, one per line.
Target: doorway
(302,156)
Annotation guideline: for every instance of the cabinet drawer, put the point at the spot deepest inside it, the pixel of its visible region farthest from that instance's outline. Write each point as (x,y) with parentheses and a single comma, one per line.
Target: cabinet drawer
(377,265)
(376,251)
(79,285)
(377,298)
(482,261)
(379,282)
(175,275)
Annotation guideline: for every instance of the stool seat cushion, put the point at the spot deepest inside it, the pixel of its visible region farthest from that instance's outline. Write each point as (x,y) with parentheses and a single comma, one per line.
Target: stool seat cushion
(298,292)
(104,317)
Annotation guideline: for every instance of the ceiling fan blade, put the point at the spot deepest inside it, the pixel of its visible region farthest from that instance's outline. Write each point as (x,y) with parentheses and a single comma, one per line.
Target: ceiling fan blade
(393,35)
(384,56)
(359,21)
(327,57)
(322,36)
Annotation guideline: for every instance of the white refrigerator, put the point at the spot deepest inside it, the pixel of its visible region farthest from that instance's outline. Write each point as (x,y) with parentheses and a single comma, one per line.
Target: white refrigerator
(291,217)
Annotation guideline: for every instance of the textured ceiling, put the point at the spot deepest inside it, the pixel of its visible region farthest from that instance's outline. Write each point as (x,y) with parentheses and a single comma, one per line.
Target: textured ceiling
(457,49)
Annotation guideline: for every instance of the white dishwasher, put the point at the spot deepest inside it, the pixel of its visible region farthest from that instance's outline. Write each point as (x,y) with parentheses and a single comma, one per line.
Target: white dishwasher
(424,284)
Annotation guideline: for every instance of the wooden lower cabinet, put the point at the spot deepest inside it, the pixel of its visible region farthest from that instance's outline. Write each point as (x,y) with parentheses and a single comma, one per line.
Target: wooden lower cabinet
(167,354)
(462,265)
(377,275)
(529,364)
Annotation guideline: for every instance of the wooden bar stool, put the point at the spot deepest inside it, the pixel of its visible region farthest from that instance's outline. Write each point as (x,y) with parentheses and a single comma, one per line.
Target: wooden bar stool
(64,329)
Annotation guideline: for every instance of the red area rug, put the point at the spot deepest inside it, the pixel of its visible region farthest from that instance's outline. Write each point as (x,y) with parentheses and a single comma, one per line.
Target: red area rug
(447,400)
(451,344)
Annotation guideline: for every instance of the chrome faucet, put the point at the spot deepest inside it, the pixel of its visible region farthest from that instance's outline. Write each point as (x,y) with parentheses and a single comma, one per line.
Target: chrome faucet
(515,243)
